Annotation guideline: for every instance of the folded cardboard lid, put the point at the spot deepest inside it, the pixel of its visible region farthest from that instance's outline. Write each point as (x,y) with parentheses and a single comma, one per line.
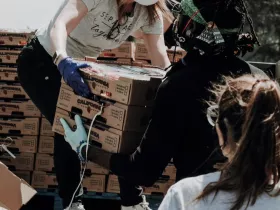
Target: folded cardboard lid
(14,192)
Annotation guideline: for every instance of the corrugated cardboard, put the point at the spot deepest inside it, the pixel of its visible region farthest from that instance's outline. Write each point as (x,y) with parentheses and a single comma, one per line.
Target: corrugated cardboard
(160,187)
(44,162)
(46,128)
(131,85)
(125,50)
(9,56)
(12,90)
(94,183)
(23,161)
(25,175)
(113,185)
(119,116)
(170,172)
(43,180)
(14,192)
(20,143)
(118,61)
(11,38)
(107,138)
(10,107)
(143,62)
(19,126)
(141,52)
(95,168)
(46,145)
(8,73)
(179,54)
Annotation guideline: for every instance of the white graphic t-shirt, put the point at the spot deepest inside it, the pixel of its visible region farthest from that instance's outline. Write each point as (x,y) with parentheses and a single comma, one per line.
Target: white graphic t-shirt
(182,195)
(91,34)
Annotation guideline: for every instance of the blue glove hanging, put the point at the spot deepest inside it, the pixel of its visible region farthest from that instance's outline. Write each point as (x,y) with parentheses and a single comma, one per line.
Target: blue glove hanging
(69,70)
(78,138)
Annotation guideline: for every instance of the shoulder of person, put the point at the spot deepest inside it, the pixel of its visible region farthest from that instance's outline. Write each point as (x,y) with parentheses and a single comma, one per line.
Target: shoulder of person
(195,185)
(247,67)
(92,4)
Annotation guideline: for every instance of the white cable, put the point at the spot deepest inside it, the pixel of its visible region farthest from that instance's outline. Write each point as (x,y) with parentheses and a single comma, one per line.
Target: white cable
(4,147)
(86,159)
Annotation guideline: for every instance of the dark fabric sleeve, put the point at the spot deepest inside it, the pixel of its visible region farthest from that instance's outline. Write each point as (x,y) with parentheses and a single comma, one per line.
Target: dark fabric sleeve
(147,163)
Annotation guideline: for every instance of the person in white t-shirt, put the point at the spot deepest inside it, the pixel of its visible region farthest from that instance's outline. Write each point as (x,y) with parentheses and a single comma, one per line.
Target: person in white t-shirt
(247,112)
(83,28)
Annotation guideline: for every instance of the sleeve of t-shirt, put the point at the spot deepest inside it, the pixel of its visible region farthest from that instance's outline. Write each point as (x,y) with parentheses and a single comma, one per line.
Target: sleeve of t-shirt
(154,28)
(172,200)
(91,4)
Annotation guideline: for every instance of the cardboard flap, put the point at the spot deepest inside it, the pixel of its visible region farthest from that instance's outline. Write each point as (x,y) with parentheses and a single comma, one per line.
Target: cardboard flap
(14,192)
(3,207)
(26,192)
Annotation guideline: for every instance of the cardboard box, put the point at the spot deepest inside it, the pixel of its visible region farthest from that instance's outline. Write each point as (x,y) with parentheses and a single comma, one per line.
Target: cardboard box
(170,172)
(107,138)
(43,180)
(46,145)
(19,126)
(113,185)
(25,175)
(20,143)
(44,162)
(125,50)
(96,169)
(116,61)
(94,183)
(10,107)
(160,187)
(23,161)
(14,38)
(116,115)
(46,128)
(9,56)
(12,90)
(141,52)
(8,73)
(179,54)
(14,192)
(131,85)
(143,62)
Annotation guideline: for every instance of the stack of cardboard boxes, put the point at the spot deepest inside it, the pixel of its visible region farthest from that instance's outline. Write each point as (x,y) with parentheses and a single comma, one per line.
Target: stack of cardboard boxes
(124,54)
(142,54)
(19,117)
(44,175)
(127,97)
(136,53)
(126,93)
(22,129)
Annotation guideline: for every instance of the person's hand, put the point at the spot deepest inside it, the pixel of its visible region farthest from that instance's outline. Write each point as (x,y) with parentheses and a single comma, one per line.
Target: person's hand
(78,138)
(69,70)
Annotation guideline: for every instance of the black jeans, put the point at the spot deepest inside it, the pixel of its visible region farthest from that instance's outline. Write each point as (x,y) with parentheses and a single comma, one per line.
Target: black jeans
(41,80)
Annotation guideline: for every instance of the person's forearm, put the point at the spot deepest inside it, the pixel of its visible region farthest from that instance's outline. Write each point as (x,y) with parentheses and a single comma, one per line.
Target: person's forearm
(98,156)
(58,38)
(161,60)
(70,16)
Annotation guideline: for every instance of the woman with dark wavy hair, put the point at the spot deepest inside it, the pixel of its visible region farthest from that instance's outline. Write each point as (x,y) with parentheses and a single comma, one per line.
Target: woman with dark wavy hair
(247,121)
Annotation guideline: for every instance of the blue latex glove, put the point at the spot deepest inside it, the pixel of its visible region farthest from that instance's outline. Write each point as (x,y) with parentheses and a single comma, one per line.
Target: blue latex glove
(69,70)
(78,138)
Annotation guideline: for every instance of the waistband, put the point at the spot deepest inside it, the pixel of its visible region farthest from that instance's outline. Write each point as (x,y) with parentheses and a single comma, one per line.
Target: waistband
(39,49)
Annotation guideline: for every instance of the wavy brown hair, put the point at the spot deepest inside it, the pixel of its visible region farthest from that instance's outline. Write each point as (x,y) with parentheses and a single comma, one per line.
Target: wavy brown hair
(251,107)
(153,10)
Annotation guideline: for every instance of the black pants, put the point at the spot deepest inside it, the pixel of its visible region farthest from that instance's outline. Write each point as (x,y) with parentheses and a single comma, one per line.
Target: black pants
(41,80)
